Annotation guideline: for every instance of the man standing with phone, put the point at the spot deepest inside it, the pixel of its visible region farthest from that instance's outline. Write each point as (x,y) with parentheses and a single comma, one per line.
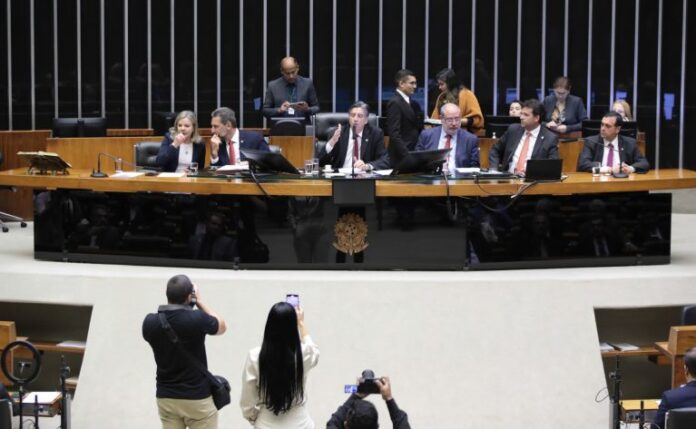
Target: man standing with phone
(183,392)
(291,95)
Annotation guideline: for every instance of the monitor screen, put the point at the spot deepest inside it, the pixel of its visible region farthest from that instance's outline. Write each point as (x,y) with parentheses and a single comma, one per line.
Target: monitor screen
(270,161)
(424,161)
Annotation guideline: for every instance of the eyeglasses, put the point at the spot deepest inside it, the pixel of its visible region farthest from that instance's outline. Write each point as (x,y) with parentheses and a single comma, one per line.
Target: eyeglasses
(452,120)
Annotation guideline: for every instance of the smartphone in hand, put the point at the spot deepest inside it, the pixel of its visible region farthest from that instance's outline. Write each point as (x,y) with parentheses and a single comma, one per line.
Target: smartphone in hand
(293,299)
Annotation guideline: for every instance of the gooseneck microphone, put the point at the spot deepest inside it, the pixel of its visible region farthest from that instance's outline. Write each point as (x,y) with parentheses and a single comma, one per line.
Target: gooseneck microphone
(355,149)
(116,159)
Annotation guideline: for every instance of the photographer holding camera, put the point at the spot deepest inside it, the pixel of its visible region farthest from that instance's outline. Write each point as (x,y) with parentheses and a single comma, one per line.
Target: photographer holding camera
(358,414)
(183,392)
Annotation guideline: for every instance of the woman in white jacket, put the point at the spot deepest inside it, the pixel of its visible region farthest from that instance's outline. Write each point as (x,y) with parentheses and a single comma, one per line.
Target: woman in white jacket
(274,374)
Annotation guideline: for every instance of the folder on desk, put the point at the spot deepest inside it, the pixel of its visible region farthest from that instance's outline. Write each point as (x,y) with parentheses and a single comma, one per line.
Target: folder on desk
(625,347)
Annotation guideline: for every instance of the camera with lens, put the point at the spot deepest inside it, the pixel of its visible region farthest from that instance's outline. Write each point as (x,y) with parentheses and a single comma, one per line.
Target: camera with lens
(367,384)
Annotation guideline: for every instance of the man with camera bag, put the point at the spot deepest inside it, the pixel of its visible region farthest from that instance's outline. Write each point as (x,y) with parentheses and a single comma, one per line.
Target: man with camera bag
(183,390)
(358,414)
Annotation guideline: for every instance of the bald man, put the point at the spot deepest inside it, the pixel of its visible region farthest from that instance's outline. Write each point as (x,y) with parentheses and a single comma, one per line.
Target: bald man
(291,95)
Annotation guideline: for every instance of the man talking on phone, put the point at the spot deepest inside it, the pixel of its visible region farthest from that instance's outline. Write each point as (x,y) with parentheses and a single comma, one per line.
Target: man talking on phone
(183,392)
(291,95)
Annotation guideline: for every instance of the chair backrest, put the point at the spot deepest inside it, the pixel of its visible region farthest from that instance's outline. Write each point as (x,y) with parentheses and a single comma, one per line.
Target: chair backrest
(681,418)
(145,154)
(325,125)
(590,127)
(162,121)
(689,315)
(79,127)
(287,127)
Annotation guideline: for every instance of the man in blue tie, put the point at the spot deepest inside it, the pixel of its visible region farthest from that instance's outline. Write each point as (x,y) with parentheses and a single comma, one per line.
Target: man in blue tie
(450,135)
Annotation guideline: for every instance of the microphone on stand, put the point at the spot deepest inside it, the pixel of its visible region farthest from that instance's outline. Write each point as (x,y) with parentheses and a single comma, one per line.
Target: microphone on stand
(355,145)
(619,174)
(117,161)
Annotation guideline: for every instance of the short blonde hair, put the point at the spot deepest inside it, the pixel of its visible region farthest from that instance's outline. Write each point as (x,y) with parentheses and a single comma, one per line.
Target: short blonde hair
(187,114)
(626,107)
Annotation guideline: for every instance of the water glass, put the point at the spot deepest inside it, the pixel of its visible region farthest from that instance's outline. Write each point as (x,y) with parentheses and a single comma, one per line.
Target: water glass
(596,168)
(193,168)
(309,167)
(315,166)
(118,165)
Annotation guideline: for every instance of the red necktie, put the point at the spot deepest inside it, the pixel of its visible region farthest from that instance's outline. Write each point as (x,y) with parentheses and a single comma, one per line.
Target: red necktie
(356,148)
(448,145)
(522,160)
(233,158)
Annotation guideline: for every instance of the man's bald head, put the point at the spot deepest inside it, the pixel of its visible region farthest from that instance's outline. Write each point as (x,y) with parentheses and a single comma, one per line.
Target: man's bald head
(289,69)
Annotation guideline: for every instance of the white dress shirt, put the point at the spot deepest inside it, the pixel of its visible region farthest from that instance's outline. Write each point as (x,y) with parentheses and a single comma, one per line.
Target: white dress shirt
(532,142)
(185,156)
(251,403)
(406,97)
(451,159)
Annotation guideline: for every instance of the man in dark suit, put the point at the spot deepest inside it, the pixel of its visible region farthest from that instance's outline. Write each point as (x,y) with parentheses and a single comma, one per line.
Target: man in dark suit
(290,96)
(680,397)
(227,139)
(464,145)
(528,140)
(404,117)
(361,145)
(612,150)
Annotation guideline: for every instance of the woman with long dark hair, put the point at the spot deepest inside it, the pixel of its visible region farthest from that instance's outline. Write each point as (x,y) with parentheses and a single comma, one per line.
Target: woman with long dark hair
(274,374)
(452,91)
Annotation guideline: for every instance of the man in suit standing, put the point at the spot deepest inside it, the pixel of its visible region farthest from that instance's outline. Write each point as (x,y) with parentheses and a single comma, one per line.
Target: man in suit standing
(682,396)
(361,145)
(404,117)
(450,135)
(528,140)
(612,150)
(290,96)
(227,139)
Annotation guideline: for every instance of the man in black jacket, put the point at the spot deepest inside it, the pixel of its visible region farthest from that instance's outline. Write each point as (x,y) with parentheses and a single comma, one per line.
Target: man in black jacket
(404,117)
(356,413)
(610,149)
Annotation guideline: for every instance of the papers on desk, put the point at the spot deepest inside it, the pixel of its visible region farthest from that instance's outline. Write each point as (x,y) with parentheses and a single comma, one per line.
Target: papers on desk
(329,175)
(383,172)
(606,347)
(172,175)
(74,344)
(624,347)
(128,174)
(469,170)
(242,166)
(43,397)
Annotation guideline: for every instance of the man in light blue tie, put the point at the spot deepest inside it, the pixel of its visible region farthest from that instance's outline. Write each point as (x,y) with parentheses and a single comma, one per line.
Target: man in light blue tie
(450,135)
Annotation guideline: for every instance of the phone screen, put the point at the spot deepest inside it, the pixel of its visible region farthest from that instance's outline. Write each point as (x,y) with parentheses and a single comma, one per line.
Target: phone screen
(293,299)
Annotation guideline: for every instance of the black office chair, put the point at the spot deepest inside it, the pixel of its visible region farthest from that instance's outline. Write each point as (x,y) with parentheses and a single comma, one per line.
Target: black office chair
(689,315)
(325,125)
(7,217)
(145,154)
(681,418)
(590,127)
(162,121)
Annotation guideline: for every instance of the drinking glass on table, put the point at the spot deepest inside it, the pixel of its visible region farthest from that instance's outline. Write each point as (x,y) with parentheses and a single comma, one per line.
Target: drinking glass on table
(596,169)
(193,168)
(309,167)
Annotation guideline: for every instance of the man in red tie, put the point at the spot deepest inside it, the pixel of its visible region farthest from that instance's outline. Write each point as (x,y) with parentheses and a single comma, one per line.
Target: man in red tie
(228,140)
(528,140)
(359,144)
(611,149)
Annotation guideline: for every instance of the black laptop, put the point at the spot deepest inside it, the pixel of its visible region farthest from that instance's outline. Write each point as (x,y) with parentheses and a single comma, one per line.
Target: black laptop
(549,170)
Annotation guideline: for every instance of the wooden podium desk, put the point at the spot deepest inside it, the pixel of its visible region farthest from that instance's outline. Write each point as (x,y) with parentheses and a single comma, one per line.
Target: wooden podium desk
(575,183)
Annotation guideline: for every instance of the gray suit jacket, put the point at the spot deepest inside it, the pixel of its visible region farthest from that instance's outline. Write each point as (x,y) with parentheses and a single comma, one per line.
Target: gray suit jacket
(546,147)
(279,91)
(574,114)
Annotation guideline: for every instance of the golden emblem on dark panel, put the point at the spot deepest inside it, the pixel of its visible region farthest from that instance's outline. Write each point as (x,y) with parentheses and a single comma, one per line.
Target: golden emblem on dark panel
(351,234)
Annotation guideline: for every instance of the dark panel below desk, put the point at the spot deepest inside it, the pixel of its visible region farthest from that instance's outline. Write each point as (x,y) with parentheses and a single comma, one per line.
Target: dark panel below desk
(249,232)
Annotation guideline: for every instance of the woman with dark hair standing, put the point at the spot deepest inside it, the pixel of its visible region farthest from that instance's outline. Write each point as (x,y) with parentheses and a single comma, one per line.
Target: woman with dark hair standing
(274,374)
(451,91)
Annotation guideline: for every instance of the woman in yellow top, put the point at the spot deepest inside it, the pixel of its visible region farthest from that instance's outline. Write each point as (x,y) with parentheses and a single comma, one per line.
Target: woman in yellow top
(451,91)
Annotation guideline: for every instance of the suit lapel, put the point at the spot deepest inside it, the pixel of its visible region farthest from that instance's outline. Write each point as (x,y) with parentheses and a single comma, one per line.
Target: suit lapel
(364,142)
(517,141)
(539,143)
(406,108)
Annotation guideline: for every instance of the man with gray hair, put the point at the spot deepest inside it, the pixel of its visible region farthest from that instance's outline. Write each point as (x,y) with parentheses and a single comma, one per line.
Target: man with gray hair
(360,145)
(227,139)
